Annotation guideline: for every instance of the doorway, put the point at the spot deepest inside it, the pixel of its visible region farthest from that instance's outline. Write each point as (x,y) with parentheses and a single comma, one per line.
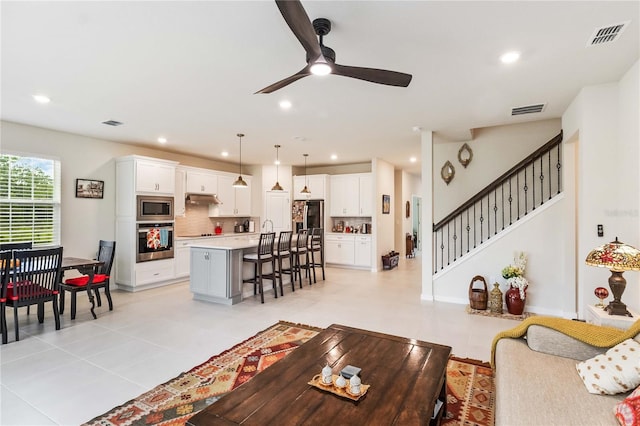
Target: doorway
(416,202)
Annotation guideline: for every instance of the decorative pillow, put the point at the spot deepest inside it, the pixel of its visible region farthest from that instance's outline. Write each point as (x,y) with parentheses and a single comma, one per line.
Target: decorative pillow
(628,411)
(616,371)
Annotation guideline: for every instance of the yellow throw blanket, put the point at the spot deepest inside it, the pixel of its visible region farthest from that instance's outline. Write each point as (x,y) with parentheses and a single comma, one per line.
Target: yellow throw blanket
(594,335)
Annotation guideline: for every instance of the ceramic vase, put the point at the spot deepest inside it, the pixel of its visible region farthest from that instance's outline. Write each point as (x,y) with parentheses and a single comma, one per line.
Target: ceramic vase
(515,304)
(495,299)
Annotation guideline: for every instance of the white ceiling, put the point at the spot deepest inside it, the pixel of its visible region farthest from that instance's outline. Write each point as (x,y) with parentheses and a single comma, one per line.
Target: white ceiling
(188,71)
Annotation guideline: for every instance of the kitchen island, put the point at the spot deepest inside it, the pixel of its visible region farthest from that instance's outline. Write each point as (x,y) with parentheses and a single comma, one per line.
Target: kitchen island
(217,268)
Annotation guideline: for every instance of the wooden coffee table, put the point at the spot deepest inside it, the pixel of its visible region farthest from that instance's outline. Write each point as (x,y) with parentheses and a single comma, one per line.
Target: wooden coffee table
(406,376)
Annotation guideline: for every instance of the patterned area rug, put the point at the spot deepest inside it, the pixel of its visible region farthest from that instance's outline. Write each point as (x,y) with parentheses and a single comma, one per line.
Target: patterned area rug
(507,315)
(470,395)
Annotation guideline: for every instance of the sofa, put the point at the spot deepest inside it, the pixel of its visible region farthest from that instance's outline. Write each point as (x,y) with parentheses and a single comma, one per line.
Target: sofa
(537,382)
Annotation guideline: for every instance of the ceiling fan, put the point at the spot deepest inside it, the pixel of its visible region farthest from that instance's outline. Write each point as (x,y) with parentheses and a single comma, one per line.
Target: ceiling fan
(320,58)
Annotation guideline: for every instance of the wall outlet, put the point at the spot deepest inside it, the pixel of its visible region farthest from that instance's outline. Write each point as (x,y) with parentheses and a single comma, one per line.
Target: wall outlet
(600,231)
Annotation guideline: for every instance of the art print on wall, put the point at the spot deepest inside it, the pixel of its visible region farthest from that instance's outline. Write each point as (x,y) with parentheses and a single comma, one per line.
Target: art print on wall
(89,188)
(386,204)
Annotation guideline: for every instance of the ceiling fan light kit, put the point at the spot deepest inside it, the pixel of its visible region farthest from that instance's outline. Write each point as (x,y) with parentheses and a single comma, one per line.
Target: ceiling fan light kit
(320,58)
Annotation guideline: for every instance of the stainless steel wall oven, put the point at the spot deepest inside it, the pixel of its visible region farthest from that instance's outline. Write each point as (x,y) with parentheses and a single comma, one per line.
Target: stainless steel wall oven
(155,241)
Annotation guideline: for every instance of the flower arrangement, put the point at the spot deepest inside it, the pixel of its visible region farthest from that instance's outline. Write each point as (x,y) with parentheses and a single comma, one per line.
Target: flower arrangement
(514,274)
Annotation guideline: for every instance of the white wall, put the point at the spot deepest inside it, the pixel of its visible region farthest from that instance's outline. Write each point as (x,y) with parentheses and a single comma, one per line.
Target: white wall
(545,267)
(495,150)
(406,185)
(85,221)
(603,122)
(382,223)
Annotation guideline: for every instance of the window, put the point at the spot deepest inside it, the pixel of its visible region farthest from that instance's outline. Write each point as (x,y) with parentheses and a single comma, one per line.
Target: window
(29,200)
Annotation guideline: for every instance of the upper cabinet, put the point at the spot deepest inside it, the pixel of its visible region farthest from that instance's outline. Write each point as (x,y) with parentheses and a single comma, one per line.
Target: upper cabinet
(179,206)
(234,201)
(156,176)
(202,182)
(317,184)
(351,195)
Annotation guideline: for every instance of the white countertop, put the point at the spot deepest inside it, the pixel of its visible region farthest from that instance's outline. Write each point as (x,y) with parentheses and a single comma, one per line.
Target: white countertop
(227,244)
(214,236)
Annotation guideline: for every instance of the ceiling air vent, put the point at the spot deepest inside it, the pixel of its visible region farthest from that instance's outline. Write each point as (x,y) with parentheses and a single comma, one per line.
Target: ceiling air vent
(529,109)
(607,34)
(113,123)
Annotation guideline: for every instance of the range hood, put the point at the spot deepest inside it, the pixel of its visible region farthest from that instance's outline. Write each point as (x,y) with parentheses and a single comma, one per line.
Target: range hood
(202,199)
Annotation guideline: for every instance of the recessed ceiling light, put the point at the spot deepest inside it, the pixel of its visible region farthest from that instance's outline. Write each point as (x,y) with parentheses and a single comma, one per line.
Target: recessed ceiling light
(41,99)
(413,159)
(510,57)
(162,140)
(285,104)
(334,157)
(224,153)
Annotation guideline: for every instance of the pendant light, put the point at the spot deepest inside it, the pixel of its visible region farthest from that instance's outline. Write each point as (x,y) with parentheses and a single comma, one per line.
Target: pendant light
(305,190)
(240,183)
(277,186)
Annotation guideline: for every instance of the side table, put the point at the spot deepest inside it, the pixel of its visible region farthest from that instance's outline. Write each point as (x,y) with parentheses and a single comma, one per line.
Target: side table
(598,316)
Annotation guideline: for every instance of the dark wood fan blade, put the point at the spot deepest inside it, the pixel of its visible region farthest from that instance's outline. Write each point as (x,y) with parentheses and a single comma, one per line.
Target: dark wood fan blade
(390,78)
(298,20)
(286,81)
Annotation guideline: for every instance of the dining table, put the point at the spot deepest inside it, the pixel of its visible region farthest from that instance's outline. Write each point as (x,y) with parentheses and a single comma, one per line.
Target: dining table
(85,267)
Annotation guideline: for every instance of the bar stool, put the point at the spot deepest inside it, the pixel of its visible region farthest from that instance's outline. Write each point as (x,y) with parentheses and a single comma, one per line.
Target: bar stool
(316,245)
(298,251)
(283,251)
(262,256)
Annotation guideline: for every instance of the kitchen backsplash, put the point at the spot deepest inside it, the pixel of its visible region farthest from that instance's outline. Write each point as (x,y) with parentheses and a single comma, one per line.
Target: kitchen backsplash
(197,221)
(351,222)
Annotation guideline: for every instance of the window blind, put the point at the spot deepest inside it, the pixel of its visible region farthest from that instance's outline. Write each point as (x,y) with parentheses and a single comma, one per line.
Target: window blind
(29,199)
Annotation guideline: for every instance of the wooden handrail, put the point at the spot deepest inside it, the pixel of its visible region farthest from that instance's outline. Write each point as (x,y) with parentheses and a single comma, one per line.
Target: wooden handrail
(512,171)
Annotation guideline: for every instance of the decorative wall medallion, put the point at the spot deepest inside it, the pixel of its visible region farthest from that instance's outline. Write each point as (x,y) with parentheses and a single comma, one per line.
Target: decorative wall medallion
(465,155)
(447,172)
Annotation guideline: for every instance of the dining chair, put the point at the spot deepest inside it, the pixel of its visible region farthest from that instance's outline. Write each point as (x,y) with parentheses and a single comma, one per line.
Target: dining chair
(6,257)
(316,247)
(300,251)
(101,279)
(34,280)
(263,255)
(16,246)
(282,252)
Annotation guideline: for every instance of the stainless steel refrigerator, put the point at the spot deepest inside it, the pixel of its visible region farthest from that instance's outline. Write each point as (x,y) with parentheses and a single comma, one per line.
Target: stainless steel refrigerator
(307,214)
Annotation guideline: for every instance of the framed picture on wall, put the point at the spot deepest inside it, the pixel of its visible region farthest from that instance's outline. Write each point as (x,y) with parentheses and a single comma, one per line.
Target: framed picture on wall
(386,204)
(89,188)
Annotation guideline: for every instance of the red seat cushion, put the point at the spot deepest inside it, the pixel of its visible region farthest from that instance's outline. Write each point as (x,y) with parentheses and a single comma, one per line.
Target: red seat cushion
(83,280)
(33,290)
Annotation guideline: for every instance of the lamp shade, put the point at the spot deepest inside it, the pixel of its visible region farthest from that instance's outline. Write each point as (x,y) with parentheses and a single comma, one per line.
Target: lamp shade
(616,256)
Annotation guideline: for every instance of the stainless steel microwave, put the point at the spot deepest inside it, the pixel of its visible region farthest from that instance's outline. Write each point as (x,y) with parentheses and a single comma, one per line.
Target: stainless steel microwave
(154,208)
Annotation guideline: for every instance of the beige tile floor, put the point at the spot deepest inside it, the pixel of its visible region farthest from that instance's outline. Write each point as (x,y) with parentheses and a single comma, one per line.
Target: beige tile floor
(90,366)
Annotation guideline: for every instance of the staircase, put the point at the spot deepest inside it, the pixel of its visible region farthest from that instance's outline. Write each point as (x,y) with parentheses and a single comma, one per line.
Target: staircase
(502,203)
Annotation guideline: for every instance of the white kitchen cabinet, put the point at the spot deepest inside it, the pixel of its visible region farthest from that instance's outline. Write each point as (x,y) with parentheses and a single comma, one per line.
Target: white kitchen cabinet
(344,195)
(234,201)
(362,254)
(243,199)
(182,256)
(205,272)
(156,176)
(317,184)
(179,206)
(351,195)
(137,175)
(365,184)
(154,271)
(278,210)
(339,249)
(202,182)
